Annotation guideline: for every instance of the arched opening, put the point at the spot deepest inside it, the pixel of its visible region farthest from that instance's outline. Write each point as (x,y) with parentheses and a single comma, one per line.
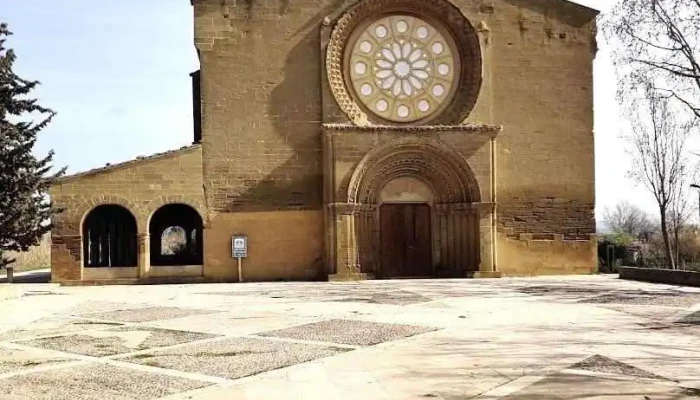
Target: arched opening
(176,236)
(109,237)
(416,212)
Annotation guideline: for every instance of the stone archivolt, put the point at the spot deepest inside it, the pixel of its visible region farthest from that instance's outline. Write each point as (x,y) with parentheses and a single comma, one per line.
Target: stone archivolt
(440,167)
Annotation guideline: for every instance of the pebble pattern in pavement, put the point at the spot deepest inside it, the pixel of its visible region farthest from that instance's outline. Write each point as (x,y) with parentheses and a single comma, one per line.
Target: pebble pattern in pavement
(530,338)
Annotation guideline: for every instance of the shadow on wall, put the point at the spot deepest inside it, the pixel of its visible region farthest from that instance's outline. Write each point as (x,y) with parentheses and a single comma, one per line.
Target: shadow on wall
(294,108)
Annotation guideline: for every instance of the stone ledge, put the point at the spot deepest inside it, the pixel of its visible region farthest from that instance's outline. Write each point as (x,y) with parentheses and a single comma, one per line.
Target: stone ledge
(668,276)
(348,278)
(544,237)
(484,129)
(484,274)
(143,281)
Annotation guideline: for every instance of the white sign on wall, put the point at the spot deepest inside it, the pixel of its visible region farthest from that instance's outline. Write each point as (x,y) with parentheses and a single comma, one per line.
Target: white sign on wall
(239,246)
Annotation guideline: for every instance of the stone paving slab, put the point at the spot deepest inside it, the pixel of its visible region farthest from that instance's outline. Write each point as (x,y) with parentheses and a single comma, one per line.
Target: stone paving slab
(236,357)
(234,323)
(13,360)
(95,382)
(490,339)
(351,294)
(92,307)
(359,333)
(8,292)
(54,326)
(127,339)
(399,297)
(146,314)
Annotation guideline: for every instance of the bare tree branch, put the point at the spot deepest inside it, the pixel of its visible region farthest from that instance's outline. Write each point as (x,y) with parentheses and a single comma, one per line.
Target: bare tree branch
(629,219)
(657,41)
(658,139)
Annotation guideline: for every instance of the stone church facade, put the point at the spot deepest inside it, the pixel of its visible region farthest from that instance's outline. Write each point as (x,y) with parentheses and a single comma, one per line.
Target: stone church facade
(354,140)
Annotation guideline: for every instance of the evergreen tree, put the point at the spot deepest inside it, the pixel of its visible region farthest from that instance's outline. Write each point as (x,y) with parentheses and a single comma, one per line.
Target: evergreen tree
(25,211)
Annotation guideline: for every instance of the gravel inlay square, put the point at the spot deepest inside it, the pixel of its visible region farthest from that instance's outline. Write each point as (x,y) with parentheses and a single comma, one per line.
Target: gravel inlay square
(690,319)
(12,360)
(400,297)
(100,306)
(598,363)
(558,290)
(358,333)
(670,299)
(569,386)
(117,341)
(54,326)
(95,381)
(147,314)
(236,357)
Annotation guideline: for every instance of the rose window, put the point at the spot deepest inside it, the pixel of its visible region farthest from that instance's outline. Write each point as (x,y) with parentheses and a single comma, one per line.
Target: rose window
(402,68)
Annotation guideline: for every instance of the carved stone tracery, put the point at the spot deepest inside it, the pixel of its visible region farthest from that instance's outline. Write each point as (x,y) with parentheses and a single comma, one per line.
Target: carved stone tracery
(438,12)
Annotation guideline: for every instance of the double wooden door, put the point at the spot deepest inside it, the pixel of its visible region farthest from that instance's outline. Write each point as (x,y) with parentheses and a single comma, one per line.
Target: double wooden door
(405,235)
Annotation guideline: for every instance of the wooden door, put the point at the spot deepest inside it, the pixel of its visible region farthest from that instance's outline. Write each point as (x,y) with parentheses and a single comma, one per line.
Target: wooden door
(405,234)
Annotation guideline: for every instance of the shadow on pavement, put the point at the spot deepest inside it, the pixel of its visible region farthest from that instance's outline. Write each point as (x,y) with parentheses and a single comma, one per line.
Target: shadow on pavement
(41,276)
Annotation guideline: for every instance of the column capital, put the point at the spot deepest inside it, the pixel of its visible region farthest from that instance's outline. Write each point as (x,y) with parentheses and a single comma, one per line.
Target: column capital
(351,208)
(484,207)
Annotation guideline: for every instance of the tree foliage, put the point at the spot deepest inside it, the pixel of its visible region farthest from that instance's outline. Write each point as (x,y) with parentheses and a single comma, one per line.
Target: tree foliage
(25,179)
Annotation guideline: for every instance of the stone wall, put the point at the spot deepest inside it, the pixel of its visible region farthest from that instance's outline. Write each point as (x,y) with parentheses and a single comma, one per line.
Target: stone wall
(142,186)
(671,277)
(541,70)
(261,73)
(265,94)
(546,255)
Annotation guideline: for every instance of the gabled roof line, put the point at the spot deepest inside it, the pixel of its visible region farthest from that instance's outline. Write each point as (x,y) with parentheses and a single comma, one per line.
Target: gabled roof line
(128,163)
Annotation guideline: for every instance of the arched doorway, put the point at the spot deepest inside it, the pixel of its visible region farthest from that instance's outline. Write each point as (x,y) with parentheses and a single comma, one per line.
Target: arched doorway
(415,212)
(109,237)
(176,236)
(405,220)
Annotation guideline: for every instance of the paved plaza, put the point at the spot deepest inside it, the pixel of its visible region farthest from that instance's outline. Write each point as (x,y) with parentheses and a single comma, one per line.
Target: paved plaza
(586,337)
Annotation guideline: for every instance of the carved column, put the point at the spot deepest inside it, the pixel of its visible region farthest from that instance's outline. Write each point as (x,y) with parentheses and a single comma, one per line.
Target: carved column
(144,254)
(347,262)
(366,231)
(487,266)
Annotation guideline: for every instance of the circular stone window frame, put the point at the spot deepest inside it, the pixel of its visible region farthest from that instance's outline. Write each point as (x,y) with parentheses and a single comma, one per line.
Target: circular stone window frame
(433,25)
(442,15)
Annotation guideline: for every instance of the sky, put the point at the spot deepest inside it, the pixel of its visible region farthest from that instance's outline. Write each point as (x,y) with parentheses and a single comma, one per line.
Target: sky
(117,73)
